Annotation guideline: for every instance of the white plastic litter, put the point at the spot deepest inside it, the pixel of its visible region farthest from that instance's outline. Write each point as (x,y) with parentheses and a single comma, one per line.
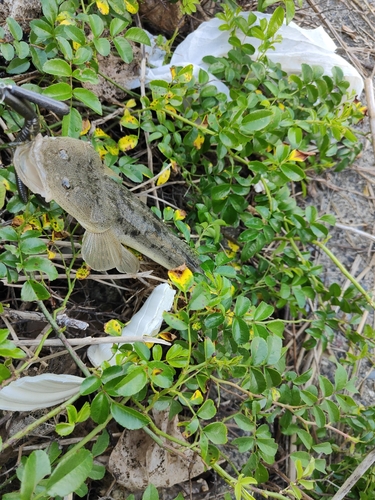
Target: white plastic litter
(299,45)
(147,321)
(41,391)
(48,389)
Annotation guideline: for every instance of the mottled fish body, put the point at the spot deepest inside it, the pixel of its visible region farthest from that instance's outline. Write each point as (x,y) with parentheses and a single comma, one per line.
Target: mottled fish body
(70,172)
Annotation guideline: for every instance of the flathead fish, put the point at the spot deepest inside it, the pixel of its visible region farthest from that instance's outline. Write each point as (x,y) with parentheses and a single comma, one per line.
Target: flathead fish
(70,172)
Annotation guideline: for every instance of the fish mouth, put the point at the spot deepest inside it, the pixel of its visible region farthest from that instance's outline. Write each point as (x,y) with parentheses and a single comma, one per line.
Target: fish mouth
(28,162)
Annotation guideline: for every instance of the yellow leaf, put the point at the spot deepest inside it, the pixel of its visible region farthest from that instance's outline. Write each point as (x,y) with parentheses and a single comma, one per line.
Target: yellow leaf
(186,74)
(51,255)
(35,223)
(66,21)
(162,179)
(112,149)
(85,126)
(131,103)
(173,71)
(83,272)
(129,120)
(131,6)
(174,165)
(275,394)
(179,215)
(18,220)
(5,183)
(229,317)
(181,277)
(297,155)
(128,142)
(156,371)
(281,106)
(168,106)
(199,141)
(98,132)
(57,224)
(103,6)
(168,336)
(100,149)
(197,397)
(64,16)
(113,327)
(258,91)
(76,45)
(233,246)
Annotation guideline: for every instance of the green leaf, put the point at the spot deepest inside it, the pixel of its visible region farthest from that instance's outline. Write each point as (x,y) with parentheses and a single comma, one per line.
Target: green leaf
(65,48)
(117,25)
(37,466)
(240,331)
(175,322)
(128,417)
(64,429)
(101,444)
(72,124)
(100,408)
(90,385)
(160,373)
(89,99)
(30,246)
(275,22)
(103,46)
(59,91)
(263,311)
(7,51)
(18,66)
(216,432)
(256,120)
(275,345)
(42,29)
(305,438)
(70,473)
(41,264)
(75,34)
(323,448)
(292,172)
(96,25)
(14,28)
(332,410)
(50,10)
(319,416)
(207,410)
(177,356)
(138,35)
(244,422)
(132,383)
(325,386)
(242,306)
(57,67)
(7,233)
(259,351)
(150,493)
(32,290)
(341,377)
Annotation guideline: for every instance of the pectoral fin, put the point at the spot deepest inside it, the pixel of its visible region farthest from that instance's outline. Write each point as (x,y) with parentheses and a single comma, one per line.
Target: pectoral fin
(103,251)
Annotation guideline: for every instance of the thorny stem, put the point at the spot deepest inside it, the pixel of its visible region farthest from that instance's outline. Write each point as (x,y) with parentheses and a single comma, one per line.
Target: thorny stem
(63,339)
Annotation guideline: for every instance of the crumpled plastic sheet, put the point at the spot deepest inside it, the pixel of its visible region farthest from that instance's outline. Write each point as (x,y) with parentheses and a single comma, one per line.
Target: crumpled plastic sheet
(299,45)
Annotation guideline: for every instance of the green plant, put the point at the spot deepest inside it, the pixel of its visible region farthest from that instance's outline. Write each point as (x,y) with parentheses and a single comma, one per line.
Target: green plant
(238,156)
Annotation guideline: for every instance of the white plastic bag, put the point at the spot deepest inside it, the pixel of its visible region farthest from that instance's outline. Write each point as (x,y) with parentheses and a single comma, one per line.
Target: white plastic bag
(299,45)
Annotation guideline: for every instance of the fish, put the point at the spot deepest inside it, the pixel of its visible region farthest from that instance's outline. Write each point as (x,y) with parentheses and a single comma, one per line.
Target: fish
(70,172)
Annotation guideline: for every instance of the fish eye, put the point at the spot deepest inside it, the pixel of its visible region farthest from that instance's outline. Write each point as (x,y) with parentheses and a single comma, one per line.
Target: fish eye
(65,183)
